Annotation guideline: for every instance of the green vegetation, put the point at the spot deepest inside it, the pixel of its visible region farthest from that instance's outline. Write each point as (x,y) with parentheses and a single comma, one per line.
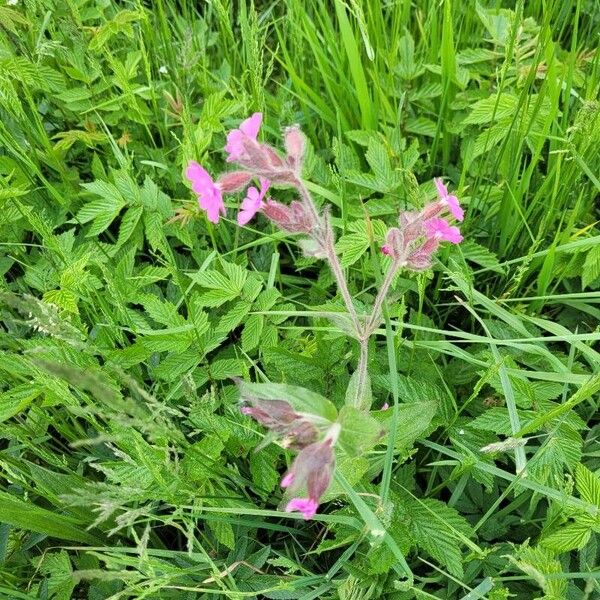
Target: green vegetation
(126,467)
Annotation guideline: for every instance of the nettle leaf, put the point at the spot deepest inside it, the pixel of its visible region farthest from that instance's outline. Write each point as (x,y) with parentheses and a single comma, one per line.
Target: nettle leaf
(480,255)
(591,267)
(252,331)
(360,431)
(492,108)
(221,288)
(301,399)
(570,537)
(414,419)
(351,247)
(435,528)
(104,209)
(264,473)
(588,485)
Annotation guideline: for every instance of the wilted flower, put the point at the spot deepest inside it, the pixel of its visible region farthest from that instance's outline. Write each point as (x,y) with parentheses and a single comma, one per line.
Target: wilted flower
(311,473)
(253,202)
(210,197)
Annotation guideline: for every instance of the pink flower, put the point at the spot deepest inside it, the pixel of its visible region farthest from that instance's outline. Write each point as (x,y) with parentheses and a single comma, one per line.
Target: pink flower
(386,250)
(235,139)
(310,472)
(440,229)
(449,200)
(210,197)
(307,506)
(253,202)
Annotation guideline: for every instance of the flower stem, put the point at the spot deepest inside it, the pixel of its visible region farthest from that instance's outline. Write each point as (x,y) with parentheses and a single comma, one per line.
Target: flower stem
(330,255)
(381,295)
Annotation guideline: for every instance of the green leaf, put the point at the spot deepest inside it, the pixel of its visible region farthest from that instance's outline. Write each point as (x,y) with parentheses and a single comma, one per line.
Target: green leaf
(351,247)
(360,431)
(588,485)
(16,399)
(30,517)
(571,536)
(591,267)
(302,400)
(361,399)
(252,331)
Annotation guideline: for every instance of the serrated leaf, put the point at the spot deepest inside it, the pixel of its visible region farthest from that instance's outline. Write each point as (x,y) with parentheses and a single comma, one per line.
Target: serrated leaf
(492,108)
(588,485)
(351,247)
(591,267)
(252,331)
(570,537)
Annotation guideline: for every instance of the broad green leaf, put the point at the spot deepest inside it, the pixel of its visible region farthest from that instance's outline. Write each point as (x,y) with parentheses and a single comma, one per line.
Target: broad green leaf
(300,398)
(26,515)
(360,431)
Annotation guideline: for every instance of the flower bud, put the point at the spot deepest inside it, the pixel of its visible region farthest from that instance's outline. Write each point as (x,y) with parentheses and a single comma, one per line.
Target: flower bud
(234,181)
(394,244)
(293,218)
(295,145)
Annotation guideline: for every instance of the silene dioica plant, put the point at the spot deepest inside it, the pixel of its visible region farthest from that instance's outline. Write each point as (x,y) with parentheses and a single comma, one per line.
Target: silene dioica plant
(300,419)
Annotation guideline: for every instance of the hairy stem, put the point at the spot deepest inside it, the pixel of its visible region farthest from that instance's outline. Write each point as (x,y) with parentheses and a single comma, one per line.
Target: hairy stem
(381,295)
(331,255)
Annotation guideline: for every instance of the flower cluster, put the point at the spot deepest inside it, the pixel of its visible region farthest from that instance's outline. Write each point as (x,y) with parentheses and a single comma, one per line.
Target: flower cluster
(410,245)
(419,234)
(310,474)
(259,161)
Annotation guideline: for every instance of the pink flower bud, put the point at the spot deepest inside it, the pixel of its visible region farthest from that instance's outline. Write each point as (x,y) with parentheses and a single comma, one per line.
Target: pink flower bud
(295,145)
(234,181)
(394,246)
(293,218)
(432,210)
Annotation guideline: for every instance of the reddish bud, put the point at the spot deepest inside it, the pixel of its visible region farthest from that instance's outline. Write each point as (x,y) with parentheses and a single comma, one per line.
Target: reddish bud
(394,246)
(234,181)
(293,218)
(432,210)
(411,224)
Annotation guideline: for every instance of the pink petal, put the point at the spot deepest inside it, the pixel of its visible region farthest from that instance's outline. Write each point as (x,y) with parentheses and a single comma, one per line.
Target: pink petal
(386,250)
(442,190)
(251,204)
(198,177)
(440,229)
(251,125)
(306,506)
(212,203)
(287,480)
(235,145)
(454,207)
